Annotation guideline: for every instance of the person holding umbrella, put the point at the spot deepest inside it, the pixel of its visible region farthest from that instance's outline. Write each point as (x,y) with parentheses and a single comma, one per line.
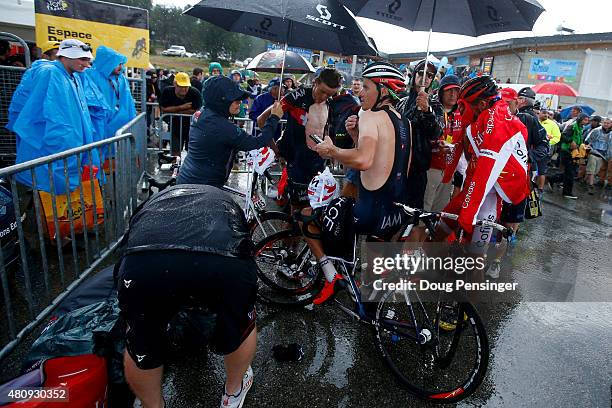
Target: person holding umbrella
(214,139)
(427,128)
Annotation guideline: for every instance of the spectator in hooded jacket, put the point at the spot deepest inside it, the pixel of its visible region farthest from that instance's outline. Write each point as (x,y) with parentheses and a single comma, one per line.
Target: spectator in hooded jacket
(214,138)
(107,74)
(54,118)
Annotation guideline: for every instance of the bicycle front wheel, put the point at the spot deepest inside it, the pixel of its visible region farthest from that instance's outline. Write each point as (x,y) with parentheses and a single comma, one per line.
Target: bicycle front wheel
(438,350)
(266,223)
(287,271)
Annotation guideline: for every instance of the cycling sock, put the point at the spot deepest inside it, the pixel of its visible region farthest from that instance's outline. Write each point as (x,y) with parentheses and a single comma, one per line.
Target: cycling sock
(328,268)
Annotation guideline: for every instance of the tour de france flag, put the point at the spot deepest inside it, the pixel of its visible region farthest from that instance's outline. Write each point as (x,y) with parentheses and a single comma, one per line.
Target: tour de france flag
(122,28)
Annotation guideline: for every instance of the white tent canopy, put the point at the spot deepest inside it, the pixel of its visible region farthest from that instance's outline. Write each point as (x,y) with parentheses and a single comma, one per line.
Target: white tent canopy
(18,12)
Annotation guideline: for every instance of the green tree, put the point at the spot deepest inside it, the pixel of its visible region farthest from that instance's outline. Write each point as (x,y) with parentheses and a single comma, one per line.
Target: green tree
(169,26)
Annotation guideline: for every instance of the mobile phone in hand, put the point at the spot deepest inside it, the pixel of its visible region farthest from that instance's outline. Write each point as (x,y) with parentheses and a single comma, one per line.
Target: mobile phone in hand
(316,139)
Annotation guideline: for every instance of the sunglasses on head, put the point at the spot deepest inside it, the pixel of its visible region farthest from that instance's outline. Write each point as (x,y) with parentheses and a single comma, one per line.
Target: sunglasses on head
(84,47)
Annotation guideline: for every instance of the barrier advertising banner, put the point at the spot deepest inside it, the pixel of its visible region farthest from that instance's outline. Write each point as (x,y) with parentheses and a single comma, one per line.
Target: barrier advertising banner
(123,28)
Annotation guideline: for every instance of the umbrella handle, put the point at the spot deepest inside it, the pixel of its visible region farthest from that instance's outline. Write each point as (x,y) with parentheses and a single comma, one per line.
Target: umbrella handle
(433,12)
(280,88)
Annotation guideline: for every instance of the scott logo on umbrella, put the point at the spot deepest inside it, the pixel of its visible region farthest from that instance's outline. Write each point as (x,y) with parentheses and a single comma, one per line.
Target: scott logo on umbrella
(324,17)
(392,8)
(265,23)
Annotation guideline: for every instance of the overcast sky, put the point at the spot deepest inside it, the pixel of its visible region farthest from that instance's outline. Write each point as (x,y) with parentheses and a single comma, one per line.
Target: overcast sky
(584,16)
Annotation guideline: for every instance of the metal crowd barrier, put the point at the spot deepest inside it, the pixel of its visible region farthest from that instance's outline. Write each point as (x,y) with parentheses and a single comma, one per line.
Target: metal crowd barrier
(37,269)
(10,77)
(170,133)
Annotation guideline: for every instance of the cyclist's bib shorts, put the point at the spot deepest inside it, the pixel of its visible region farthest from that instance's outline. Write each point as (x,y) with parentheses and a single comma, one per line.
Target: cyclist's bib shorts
(154,286)
(375,213)
(490,211)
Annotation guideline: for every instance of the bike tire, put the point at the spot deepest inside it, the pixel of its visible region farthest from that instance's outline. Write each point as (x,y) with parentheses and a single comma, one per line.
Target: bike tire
(451,366)
(279,251)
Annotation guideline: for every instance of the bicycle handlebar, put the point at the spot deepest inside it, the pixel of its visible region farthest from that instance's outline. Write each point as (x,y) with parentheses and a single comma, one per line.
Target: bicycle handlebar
(429,215)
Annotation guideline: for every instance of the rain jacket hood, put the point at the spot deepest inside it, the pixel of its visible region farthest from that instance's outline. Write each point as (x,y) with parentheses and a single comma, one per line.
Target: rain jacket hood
(108,96)
(54,118)
(214,65)
(107,60)
(219,93)
(203,218)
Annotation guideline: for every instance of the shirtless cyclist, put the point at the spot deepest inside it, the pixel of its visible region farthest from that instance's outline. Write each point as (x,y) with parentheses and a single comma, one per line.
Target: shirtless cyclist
(382,156)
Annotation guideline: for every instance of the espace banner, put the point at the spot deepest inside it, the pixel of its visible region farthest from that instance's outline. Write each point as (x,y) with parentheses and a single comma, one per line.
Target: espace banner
(123,28)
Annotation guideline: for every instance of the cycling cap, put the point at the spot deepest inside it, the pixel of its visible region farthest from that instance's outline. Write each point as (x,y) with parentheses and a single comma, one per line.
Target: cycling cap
(384,73)
(482,87)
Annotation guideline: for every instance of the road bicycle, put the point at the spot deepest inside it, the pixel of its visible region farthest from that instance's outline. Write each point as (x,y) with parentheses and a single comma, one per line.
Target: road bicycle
(437,348)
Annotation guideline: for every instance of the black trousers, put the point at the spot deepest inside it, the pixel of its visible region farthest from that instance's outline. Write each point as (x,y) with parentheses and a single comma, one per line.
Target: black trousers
(570,169)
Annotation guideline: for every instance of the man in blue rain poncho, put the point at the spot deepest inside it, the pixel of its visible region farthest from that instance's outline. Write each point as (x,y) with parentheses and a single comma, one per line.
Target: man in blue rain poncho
(23,91)
(55,118)
(28,81)
(117,105)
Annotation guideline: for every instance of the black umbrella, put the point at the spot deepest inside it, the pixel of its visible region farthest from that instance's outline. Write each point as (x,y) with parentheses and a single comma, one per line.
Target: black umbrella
(276,61)
(315,24)
(466,17)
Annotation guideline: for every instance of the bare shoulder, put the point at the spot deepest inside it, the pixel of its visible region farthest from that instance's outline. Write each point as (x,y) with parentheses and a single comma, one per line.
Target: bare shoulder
(374,116)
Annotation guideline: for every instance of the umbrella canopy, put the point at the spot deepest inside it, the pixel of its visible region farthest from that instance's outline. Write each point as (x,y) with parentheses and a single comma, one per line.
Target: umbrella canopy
(466,17)
(314,24)
(272,61)
(248,73)
(586,109)
(555,88)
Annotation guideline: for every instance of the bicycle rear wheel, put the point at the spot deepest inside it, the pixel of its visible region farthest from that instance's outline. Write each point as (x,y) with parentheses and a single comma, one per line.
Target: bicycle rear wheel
(445,358)
(287,271)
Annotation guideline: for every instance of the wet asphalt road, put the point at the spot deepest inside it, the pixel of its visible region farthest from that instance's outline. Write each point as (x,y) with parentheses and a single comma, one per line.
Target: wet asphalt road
(550,342)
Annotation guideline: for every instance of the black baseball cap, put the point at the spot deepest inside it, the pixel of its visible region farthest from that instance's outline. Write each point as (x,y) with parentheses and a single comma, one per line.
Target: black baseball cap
(527,92)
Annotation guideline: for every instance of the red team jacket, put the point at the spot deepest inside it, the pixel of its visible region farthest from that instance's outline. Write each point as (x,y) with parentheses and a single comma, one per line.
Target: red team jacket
(498,143)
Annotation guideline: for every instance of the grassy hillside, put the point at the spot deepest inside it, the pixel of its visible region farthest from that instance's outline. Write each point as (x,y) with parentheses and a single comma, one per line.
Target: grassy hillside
(188,64)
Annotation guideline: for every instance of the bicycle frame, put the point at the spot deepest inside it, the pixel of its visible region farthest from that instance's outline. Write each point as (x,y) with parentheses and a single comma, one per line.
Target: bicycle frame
(361,314)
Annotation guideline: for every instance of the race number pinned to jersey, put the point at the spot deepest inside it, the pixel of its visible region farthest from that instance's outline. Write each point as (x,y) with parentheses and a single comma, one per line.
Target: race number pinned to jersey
(261,159)
(322,189)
